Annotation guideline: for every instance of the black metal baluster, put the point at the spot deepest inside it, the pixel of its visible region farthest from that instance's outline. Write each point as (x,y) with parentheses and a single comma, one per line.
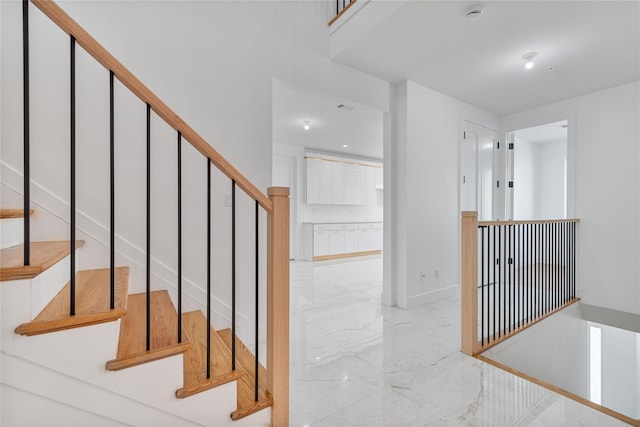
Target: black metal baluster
(482,286)
(494,260)
(256,319)
(180,237)
(148,254)
(507,277)
(208,268)
(72,196)
(112,197)
(500,290)
(520,228)
(26,186)
(573,259)
(233,275)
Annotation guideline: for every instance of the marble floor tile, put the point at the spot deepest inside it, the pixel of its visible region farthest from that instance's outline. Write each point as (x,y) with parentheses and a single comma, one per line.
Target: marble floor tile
(357,363)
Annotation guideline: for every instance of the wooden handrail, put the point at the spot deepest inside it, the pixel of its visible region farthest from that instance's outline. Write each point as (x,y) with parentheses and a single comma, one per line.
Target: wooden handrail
(342,12)
(100,54)
(534,221)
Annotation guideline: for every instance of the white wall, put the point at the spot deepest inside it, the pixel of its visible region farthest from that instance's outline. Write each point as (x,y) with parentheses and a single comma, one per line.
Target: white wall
(214,63)
(604,128)
(426,161)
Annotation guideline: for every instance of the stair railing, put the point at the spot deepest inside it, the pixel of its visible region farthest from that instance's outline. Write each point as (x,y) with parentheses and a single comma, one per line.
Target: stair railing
(275,204)
(514,274)
(341,7)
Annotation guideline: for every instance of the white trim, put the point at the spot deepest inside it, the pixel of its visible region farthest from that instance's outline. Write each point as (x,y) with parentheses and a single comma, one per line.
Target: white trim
(431,296)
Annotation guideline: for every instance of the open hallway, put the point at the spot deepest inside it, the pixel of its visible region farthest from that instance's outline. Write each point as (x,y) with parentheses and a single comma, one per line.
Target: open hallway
(357,363)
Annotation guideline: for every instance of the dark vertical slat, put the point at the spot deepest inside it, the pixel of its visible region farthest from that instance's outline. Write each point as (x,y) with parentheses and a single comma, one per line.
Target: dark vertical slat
(72,165)
(495,284)
(208,268)
(233,275)
(180,237)
(337,7)
(26,186)
(257,312)
(482,286)
(507,277)
(148,288)
(573,260)
(112,198)
(500,287)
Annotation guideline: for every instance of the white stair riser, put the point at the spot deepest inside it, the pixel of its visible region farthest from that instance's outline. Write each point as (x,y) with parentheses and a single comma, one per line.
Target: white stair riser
(11,232)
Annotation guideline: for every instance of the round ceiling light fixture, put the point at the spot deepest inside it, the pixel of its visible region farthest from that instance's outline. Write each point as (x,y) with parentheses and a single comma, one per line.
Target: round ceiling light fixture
(306,125)
(474,11)
(528,60)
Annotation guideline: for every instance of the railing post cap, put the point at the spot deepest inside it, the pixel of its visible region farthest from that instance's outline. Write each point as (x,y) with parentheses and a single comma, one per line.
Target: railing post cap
(467,214)
(278,191)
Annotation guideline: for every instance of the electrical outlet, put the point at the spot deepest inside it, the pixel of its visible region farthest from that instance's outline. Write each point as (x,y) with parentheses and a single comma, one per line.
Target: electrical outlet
(423,276)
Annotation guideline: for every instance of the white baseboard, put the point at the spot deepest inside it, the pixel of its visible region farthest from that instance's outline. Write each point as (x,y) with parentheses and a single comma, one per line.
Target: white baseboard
(433,296)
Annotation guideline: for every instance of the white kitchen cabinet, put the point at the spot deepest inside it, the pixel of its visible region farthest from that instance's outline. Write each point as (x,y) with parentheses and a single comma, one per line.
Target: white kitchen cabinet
(350,185)
(321,240)
(351,240)
(342,182)
(326,182)
(336,240)
(337,183)
(313,181)
(327,241)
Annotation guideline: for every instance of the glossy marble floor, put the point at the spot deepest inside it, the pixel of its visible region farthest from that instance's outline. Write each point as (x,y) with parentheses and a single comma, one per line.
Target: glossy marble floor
(356,363)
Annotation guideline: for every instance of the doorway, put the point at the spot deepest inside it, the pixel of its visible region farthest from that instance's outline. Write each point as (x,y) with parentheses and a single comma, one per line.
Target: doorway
(537,172)
(477,167)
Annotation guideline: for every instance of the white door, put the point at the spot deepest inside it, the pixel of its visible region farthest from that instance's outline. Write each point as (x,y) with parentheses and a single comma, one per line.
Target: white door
(284,175)
(477,180)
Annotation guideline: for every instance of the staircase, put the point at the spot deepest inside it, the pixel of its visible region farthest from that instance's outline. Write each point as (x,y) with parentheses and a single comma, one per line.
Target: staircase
(92,342)
(92,308)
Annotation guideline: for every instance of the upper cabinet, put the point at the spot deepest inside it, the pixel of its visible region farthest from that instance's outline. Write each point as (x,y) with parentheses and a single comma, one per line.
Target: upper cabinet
(334,180)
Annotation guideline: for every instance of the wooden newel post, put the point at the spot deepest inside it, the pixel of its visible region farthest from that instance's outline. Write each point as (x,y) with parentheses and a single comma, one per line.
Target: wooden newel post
(278,305)
(469,298)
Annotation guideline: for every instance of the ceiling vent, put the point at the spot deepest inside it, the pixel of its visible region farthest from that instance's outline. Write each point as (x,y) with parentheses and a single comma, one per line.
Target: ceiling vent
(474,11)
(345,107)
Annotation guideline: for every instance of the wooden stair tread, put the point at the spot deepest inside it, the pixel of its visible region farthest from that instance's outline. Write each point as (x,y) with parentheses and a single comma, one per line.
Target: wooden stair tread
(195,359)
(43,256)
(246,383)
(13,213)
(164,332)
(92,303)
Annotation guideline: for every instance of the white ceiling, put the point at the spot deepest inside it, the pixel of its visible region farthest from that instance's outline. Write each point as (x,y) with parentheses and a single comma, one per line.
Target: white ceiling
(550,132)
(329,127)
(591,45)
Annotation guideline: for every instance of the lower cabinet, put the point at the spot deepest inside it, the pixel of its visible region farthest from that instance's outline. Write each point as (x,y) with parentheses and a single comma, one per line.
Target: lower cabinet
(325,241)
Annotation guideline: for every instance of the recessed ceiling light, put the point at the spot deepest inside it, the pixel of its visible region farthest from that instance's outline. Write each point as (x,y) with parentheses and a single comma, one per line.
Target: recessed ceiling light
(528,60)
(345,146)
(474,11)
(306,125)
